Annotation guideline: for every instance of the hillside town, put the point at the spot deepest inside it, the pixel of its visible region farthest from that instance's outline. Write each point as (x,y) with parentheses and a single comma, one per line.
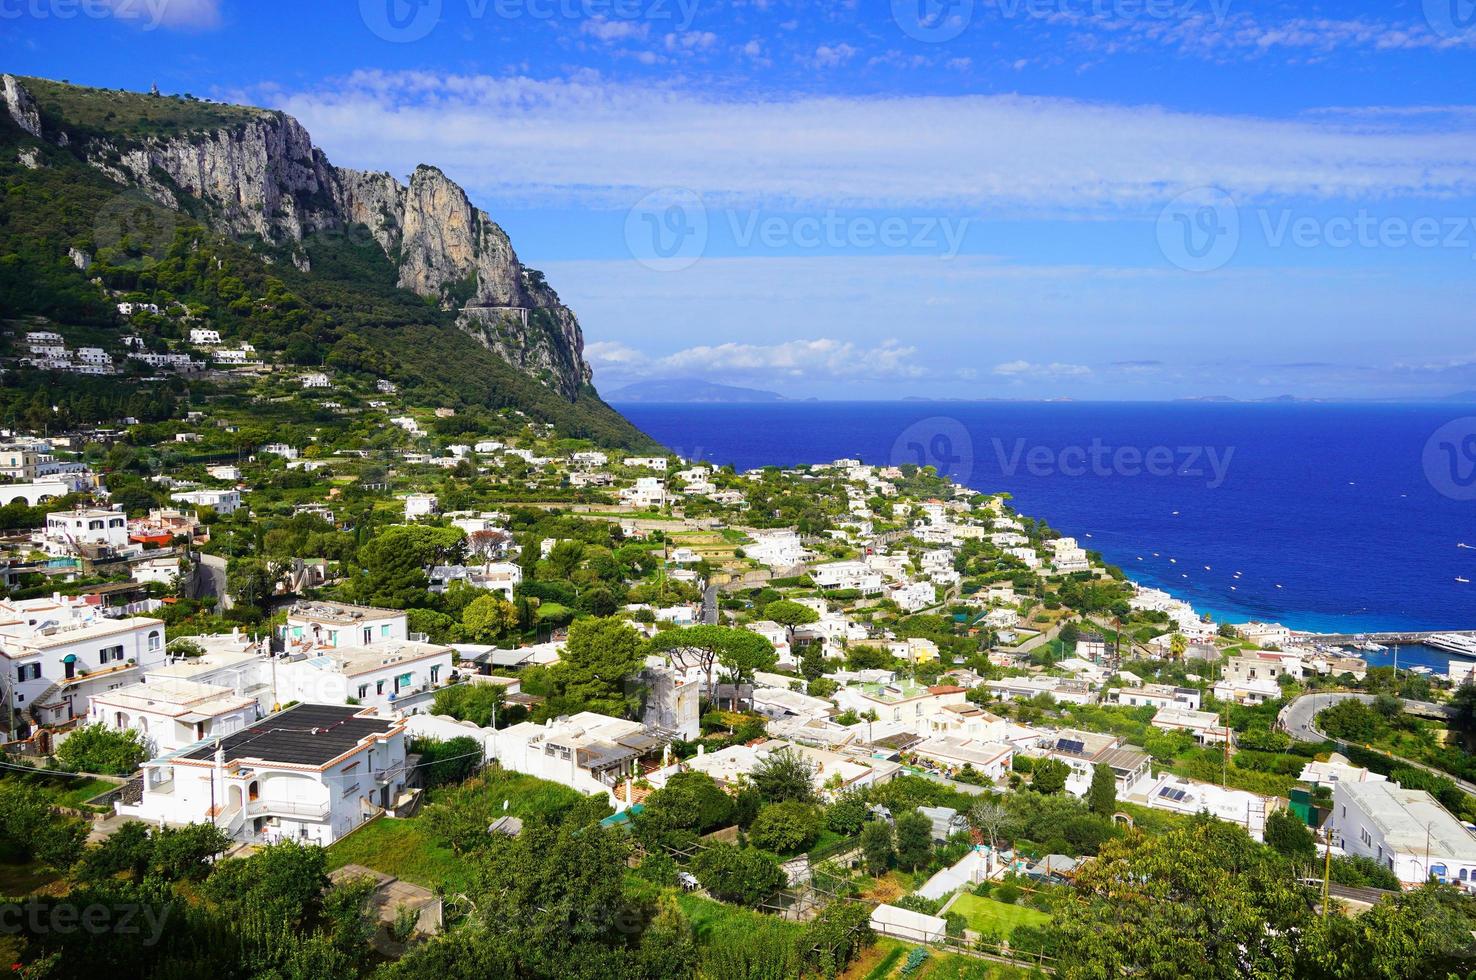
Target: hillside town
(898,696)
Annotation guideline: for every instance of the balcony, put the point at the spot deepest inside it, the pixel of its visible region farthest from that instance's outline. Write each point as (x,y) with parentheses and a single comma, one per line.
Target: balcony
(289,808)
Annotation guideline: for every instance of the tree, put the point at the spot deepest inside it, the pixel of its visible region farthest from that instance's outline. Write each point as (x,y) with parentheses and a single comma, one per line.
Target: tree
(596,672)
(448,761)
(739,652)
(689,804)
(744,875)
(30,830)
(988,816)
(476,703)
(812,663)
(790,615)
(783,776)
(98,748)
(1049,776)
(392,564)
(250,581)
(284,881)
(489,617)
(878,847)
(1463,701)
(847,814)
(1102,796)
(786,828)
(914,839)
(1289,836)
(1178,644)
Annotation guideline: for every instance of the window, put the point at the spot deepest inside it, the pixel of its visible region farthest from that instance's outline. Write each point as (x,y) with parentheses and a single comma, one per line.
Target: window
(1363,836)
(379,687)
(110,654)
(384,630)
(28,672)
(435,672)
(154,639)
(363,691)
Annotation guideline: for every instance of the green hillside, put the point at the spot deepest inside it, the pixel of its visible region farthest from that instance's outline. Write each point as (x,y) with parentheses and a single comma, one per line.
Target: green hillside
(345,315)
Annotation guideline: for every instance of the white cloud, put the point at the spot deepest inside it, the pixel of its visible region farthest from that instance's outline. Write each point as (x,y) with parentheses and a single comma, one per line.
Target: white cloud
(821,359)
(614,30)
(599,143)
(1016,369)
(833,55)
(178,14)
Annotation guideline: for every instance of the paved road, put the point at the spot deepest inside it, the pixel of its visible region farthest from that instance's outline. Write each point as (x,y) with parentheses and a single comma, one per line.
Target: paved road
(1299,718)
(710,606)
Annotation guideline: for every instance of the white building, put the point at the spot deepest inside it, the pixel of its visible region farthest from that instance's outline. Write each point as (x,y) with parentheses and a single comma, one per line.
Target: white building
(588,752)
(1405,830)
(310,773)
(1186,796)
(394,677)
(317,625)
(914,596)
(69,531)
(59,652)
(418,505)
(221,501)
(648,492)
(1205,726)
(1155,696)
(1068,557)
(776,549)
(848,576)
(172,714)
(316,379)
(657,463)
(204,338)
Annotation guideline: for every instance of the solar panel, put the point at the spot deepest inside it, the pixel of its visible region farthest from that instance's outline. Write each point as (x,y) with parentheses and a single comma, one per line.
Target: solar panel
(1174,794)
(1071,745)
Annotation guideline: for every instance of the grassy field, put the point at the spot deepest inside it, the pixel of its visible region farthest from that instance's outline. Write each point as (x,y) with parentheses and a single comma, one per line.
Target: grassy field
(987,915)
(883,961)
(23,879)
(399,848)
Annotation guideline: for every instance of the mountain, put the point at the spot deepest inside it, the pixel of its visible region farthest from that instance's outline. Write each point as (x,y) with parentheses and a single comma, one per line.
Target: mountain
(415,279)
(690,390)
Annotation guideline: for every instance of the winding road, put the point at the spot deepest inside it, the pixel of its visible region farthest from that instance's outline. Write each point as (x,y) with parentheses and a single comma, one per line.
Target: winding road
(1299,720)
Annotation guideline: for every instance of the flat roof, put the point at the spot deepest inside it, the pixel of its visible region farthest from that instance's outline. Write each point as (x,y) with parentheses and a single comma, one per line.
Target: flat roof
(353,661)
(341,613)
(303,735)
(1406,816)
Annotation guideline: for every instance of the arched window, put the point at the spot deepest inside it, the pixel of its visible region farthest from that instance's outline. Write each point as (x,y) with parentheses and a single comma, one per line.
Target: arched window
(154,639)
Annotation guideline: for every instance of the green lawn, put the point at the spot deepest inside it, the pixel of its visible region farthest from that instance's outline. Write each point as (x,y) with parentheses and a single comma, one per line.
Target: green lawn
(79,790)
(987,915)
(710,918)
(400,848)
(22,879)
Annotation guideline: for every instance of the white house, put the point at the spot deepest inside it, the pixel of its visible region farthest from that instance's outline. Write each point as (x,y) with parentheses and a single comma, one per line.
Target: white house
(657,463)
(1155,696)
(395,677)
(647,492)
(172,714)
(1186,796)
(311,773)
(59,652)
(776,549)
(280,449)
(204,338)
(69,531)
(315,625)
(914,596)
(854,576)
(494,576)
(588,752)
(316,379)
(834,773)
(221,501)
(1405,830)
(418,505)
(1205,726)
(1084,751)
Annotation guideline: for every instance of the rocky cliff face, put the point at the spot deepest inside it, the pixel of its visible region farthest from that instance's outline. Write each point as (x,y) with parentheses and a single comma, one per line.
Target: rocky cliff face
(259,174)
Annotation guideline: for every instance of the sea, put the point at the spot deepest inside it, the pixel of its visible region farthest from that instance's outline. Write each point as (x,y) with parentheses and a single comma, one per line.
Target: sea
(1335,518)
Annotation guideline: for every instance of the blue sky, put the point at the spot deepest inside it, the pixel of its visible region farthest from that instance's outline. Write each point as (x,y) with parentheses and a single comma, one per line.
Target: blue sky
(961,198)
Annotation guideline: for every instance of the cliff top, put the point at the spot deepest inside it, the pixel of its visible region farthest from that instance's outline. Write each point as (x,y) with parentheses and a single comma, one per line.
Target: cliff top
(115,112)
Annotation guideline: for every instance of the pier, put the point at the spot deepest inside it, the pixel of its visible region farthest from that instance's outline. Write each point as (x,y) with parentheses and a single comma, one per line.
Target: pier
(1390,639)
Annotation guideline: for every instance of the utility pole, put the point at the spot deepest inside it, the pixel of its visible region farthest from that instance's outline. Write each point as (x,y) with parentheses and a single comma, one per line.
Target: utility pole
(1326,869)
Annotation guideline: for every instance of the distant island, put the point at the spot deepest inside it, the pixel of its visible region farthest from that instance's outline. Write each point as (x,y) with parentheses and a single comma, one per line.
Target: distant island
(690,390)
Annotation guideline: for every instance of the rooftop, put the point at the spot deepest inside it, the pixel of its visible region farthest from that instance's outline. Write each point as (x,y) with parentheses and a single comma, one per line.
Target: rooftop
(353,661)
(1407,816)
(176,698)
(340,613)
(304,735)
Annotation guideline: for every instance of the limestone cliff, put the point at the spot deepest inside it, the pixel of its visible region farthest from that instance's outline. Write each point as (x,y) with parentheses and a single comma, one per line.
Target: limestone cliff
(256,174)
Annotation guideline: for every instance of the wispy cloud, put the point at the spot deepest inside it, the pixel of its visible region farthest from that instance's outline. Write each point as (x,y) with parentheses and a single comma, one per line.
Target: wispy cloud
(819,359)
(588,140)
(1056,369)
(176,14)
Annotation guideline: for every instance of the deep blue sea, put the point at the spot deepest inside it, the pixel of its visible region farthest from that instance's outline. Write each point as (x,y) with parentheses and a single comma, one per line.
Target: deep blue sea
(1336,518)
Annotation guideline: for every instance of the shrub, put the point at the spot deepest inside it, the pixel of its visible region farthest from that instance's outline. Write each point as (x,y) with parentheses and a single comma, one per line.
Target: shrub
(97,748)
(786,828)
(1007,892)
(743,875)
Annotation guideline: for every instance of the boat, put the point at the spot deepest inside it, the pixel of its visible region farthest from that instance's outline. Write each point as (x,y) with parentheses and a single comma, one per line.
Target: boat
(1456,643)
(1463,581)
